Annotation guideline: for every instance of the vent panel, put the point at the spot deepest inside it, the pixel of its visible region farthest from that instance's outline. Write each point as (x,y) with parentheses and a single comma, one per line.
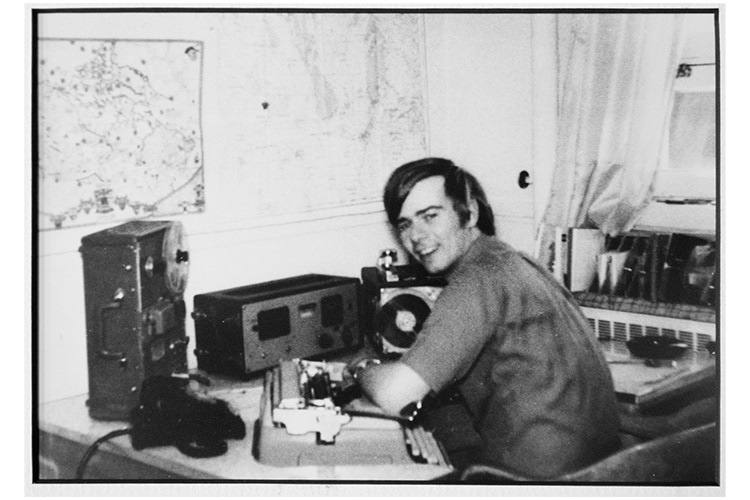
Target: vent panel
(702,340)
(652,330)
(605,329)
(687,337)
(636,330)
(668,332)
(621,331)
(623,326)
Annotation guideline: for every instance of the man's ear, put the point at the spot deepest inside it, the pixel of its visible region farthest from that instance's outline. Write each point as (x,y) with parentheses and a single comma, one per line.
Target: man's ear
(473,213)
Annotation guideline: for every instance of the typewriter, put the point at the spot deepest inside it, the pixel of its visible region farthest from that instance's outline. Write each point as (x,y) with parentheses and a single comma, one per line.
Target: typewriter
(305,421)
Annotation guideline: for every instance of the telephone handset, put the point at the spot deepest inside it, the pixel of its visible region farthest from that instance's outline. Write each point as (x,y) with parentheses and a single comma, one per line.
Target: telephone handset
(170,414)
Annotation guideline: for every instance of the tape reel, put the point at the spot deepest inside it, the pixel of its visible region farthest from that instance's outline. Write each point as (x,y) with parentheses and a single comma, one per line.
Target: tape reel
(175,255)
(400,318)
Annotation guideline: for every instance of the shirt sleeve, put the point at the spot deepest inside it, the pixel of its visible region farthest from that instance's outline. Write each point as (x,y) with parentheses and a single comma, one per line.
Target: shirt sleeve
(464,318)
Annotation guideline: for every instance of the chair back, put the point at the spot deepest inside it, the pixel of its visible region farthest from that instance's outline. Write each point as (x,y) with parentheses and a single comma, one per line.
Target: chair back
(685,457)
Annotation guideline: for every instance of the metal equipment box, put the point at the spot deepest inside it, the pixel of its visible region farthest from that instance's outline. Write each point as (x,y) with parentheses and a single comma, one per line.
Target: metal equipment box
(241,331)
(134,276)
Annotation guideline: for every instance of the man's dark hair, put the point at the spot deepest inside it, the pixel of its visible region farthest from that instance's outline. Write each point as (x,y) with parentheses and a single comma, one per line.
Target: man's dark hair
(460,186)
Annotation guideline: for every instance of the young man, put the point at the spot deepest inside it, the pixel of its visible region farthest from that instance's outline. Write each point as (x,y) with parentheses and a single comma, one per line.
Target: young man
(503,332)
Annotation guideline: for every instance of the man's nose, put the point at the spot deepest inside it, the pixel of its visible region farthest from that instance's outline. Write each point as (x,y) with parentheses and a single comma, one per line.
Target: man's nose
(417,232)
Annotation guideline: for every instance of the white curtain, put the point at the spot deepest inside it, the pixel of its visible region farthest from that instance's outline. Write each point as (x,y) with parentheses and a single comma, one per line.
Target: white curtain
(616,73)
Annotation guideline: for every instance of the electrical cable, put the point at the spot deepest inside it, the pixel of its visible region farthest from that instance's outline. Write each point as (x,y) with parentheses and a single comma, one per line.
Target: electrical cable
(92,449)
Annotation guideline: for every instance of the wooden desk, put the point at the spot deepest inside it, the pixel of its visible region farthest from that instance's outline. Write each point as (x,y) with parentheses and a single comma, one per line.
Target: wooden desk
(66,431)
(647,386)
(657,401)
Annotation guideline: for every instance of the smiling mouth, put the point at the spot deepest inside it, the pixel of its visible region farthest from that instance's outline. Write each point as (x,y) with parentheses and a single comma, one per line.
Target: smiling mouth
(426,253)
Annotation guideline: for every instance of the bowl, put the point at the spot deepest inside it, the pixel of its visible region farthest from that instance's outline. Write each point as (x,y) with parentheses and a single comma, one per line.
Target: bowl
(653,347)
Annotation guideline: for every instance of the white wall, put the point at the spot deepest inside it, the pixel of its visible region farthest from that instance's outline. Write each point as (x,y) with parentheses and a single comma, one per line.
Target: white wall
(479,90)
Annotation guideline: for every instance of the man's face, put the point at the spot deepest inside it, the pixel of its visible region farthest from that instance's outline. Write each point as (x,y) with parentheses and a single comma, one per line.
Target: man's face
(429,227)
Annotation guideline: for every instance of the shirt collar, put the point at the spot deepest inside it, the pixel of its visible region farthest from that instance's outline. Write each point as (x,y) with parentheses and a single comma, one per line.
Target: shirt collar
(475,248)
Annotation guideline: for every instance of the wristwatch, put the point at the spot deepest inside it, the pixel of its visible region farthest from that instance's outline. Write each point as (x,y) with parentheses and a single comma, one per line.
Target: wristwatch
(361,365)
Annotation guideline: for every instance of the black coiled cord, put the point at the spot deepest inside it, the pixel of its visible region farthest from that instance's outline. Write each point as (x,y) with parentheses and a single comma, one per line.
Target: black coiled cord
(92,449)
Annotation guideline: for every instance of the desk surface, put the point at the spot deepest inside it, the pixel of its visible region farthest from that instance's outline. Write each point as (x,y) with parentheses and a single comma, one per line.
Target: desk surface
(637,383)
(69,419)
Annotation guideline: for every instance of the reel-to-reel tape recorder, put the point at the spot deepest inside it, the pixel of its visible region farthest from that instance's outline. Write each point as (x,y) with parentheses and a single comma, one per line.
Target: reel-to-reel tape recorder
(134,278)
(395,306)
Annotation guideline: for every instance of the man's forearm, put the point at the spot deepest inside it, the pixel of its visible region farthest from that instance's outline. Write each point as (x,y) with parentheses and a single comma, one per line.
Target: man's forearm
(392,386)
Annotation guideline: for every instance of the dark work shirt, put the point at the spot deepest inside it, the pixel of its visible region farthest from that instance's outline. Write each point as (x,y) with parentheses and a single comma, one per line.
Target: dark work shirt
(525,360)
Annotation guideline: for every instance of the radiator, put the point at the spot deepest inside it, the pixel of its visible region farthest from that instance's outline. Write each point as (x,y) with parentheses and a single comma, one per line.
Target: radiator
(622,325)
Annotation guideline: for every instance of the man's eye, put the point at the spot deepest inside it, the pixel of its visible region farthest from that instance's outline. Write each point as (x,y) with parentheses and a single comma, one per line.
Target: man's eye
(403,226)
(430,215)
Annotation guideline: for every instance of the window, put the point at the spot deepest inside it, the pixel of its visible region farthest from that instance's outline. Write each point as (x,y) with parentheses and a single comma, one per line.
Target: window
(687,170)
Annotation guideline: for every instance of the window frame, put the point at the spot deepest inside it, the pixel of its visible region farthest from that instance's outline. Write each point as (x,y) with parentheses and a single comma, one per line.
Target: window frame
(686,199)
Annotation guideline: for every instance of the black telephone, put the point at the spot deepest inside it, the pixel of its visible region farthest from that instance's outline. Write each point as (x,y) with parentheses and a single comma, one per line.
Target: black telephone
(170,414)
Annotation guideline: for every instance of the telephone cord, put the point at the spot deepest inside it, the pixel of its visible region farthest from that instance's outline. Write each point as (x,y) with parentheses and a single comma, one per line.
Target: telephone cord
(92,449)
